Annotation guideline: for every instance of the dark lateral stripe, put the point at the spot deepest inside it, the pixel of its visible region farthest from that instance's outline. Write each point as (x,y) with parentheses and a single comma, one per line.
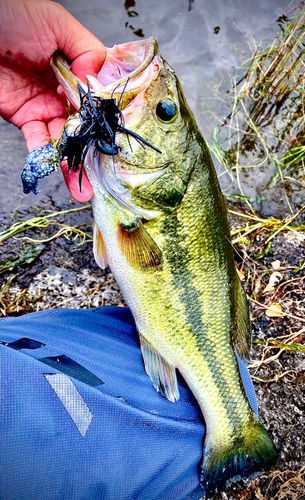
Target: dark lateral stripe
(23,343)
(70,367)
(177,256)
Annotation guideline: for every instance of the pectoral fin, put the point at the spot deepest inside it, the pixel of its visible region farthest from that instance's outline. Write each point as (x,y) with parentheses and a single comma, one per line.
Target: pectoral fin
(99,249)
(242,331)
(161,373)
(140,250)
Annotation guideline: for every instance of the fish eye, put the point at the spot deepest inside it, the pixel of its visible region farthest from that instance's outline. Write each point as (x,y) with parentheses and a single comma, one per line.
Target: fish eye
(166,110)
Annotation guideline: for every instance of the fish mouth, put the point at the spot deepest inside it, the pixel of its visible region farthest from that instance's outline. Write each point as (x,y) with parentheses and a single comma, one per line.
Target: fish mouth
(128,69)
(128,62)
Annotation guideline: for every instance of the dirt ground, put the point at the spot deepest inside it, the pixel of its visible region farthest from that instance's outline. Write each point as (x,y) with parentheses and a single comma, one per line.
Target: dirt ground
(63,273)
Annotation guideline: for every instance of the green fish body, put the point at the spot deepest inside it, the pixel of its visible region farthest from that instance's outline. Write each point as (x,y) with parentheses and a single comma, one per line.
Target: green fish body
(161,225)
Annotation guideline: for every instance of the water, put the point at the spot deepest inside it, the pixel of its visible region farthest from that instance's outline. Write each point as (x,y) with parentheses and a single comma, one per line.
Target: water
(204,42)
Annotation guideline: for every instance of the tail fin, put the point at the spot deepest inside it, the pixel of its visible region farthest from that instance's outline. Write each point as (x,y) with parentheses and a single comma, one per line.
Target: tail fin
(245,457)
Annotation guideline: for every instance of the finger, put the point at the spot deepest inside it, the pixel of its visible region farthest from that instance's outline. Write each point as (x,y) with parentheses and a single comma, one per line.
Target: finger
(71,178)
(42,108)
(72,181)
(88,63)
(74,41)
(55,127)
(61,92)
(36,134)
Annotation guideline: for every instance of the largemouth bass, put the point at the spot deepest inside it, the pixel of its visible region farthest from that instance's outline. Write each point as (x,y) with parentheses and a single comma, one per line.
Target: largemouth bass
(161,225)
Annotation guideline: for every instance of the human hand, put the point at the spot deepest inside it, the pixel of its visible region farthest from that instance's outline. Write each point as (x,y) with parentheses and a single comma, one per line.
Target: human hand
(31,31)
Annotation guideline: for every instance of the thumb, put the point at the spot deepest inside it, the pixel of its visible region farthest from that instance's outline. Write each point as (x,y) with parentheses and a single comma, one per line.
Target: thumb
(86,51)
(88,63)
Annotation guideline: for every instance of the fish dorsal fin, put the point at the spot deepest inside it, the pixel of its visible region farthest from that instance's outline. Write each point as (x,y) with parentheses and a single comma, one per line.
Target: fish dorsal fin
(99,249)
(242,329)
(140,250)
(161,373)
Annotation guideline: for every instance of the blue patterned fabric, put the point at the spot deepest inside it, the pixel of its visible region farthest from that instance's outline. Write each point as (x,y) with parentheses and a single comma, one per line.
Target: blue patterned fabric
(80,419)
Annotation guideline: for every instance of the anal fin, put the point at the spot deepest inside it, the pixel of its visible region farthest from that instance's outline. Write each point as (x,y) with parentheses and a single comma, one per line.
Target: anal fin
(161,373)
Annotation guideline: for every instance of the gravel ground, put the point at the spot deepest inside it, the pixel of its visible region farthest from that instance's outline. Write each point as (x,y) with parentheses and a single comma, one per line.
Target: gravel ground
(64,274)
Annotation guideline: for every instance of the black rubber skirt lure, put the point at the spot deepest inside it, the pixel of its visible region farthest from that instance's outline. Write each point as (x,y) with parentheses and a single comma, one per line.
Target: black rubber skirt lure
(95,124)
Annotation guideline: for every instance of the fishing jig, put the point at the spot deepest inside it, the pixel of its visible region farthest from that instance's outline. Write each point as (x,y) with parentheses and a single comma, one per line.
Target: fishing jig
(100,120)
(95,124)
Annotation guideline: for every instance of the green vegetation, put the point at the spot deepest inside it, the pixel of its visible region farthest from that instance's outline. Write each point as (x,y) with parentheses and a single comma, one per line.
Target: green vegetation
(265,128)
(254,224)
(43,222)
(26,256)
(294,347)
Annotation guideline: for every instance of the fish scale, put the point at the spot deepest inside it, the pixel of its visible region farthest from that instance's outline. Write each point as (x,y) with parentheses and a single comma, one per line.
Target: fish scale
(197,358)
(199,306)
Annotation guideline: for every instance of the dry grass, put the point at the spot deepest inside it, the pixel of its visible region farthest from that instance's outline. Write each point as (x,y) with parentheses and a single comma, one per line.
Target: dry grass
(290,485)
(15,302)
